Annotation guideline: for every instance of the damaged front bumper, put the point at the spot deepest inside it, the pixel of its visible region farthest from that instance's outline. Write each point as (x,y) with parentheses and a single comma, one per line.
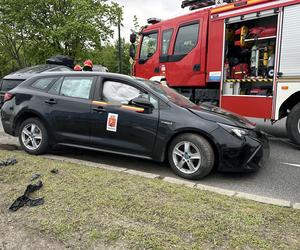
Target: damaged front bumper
(242,154)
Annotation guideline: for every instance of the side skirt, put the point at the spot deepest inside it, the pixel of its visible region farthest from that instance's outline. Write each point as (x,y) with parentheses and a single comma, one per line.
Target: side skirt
(104,150)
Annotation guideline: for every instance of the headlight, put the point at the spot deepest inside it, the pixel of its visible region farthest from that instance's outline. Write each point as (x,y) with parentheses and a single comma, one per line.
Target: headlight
(239,132)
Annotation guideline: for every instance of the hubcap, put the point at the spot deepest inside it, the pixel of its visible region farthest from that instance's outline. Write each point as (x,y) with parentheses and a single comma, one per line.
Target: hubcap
(187,157)
(299,126)
(31,136)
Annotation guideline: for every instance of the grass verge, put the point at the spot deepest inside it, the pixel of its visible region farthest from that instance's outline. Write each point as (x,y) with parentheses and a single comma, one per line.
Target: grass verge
(87,207)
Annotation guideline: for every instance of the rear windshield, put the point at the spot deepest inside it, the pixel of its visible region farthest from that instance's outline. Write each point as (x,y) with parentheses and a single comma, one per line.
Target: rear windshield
(9,84)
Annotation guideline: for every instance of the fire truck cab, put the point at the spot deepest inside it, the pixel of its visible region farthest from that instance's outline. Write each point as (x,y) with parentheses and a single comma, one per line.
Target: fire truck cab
(243,56)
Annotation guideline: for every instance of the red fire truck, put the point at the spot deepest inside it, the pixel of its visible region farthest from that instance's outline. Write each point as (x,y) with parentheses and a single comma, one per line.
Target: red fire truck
(241,55)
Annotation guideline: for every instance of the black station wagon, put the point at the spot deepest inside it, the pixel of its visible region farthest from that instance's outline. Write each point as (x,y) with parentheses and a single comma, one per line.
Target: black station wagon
(130,116)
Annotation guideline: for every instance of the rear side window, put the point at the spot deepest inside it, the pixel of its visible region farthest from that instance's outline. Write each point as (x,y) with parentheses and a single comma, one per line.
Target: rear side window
(42,83)
(149,45)
(79,87)
(187,38)
(166,39)
(9,84)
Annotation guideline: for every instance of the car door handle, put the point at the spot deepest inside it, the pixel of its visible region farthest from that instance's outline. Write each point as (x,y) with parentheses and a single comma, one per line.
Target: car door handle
(51,101)
(99,109)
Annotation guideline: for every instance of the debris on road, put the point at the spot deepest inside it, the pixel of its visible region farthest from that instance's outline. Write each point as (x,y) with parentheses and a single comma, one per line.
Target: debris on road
(54,171)
(25,198)
(35,176)
(8,162)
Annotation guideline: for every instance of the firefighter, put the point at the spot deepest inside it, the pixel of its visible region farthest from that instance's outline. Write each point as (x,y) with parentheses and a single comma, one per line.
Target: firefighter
(88,65)
(77,67)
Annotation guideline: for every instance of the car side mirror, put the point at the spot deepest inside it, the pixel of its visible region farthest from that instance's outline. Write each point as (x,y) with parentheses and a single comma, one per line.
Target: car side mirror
(143,103)
(132,38)
(132,51)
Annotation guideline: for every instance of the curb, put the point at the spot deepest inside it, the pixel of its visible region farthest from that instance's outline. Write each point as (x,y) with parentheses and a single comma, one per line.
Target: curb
(265,200)
(216,190)
(143,174)
(179,182)
(296,206)
(86,163)
(186,183)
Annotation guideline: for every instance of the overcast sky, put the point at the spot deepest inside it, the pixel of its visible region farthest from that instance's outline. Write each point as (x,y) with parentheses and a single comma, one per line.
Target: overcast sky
(145,9)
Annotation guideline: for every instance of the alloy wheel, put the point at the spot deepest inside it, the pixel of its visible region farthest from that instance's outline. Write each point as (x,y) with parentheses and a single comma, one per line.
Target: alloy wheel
(187,157)
(31,136)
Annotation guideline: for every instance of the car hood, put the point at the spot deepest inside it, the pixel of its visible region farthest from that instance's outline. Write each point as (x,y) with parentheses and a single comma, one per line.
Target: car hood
(213,113)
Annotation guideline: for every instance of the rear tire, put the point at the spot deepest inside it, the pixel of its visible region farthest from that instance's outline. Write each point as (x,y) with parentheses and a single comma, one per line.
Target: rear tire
(191,156)
(293,124)
(33,136)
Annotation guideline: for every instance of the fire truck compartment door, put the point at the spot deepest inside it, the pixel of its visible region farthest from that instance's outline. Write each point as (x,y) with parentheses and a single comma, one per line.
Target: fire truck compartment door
(290,47)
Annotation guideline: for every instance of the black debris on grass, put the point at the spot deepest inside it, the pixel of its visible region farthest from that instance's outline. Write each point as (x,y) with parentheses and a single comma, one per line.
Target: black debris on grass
(54,171)
(25,198)
(35,176)
(8,162)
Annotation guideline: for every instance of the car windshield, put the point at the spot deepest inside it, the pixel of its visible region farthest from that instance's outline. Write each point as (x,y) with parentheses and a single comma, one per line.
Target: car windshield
(168,93)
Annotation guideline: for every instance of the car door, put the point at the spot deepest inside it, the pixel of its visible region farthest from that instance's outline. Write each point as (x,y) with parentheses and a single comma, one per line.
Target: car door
(147,64)
(69,108)
(186,61)
(119,126)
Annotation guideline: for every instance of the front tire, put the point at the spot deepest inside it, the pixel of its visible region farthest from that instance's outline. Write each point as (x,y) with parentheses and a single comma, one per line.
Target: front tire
(33,136)
(293,124)
(191,156)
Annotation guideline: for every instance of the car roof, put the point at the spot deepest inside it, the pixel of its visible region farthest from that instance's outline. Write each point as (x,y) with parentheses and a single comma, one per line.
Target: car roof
(25,73)
(87,73)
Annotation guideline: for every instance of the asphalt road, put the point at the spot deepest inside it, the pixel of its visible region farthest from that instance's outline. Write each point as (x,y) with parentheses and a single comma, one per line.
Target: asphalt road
(279,178)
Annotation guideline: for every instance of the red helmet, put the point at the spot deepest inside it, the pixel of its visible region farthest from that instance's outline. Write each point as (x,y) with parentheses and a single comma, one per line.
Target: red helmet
(88,63)
(77,67)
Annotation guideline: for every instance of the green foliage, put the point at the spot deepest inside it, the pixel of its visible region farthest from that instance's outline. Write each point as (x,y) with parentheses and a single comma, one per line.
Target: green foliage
(32,31)
(108,56)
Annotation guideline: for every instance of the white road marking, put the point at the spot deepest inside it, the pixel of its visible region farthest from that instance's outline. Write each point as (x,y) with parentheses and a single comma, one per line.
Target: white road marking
(291,164)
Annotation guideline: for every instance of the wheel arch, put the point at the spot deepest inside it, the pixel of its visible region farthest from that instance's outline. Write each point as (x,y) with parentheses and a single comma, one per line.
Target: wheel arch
(288,104)
(26,114)
(212,142)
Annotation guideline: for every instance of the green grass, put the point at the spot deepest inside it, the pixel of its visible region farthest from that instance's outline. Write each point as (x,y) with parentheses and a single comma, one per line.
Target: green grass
(86,206)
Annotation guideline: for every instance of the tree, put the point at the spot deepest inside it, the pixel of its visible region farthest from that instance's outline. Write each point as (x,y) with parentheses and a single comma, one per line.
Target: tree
(107,56)
(32,30)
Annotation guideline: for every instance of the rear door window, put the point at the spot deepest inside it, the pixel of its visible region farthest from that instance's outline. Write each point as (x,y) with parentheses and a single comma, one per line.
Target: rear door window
(166,39)
(149,45)
(79,87)
(55,88)
(187,38)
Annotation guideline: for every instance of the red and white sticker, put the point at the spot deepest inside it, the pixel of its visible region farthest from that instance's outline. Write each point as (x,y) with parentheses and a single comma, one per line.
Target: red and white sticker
(112,122)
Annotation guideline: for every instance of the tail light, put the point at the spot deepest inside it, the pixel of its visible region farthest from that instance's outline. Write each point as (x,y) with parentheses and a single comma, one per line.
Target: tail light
(8,96)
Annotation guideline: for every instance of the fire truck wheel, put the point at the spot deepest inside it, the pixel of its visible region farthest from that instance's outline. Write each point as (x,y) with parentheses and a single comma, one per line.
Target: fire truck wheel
(293,124)
(191,156)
